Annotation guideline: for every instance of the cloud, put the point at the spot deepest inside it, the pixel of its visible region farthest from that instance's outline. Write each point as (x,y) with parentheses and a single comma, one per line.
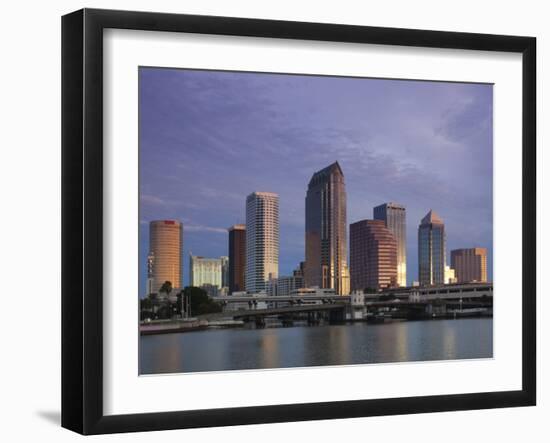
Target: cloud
(208,139)
(201,228)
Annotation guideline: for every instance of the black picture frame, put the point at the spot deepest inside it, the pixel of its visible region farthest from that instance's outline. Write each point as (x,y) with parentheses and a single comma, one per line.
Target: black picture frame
(82,218)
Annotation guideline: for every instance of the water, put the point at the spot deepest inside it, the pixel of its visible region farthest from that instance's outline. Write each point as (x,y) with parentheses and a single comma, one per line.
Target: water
(358,343)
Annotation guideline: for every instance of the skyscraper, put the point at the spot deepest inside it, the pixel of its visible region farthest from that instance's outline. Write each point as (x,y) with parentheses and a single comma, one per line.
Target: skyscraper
(262,240)
(237,258)
(470,265)
(165,249)
(373,256)
(394,215)
(431,250)
(326,231)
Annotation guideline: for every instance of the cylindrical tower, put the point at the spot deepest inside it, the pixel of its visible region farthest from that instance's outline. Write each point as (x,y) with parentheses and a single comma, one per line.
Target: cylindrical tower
(165,248)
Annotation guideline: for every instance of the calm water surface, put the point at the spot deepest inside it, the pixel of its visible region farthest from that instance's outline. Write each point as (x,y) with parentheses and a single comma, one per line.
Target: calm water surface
(225,349)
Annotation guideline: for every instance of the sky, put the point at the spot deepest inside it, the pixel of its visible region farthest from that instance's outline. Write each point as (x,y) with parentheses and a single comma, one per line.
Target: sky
(207,139)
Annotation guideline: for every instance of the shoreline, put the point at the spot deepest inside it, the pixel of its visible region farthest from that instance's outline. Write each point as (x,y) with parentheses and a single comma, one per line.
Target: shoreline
(157,327)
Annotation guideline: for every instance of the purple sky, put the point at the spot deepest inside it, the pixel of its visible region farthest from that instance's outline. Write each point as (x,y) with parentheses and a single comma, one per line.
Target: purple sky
(208,139)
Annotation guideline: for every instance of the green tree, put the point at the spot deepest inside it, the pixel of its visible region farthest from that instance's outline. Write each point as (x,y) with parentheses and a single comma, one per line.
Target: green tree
(201,303)
(166,287)
(146,304)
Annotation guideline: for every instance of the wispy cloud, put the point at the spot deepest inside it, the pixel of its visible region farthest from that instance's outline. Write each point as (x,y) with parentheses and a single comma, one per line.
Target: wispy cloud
(201,228)
(208,139)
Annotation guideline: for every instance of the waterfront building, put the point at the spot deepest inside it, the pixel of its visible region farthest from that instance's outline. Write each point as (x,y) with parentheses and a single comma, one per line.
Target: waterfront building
(165,252)
(283,286)
(326,231)
(450,275)
(225,271)
(394,216)
(470,264)
(206,273)
(373,256)
(237,258)
(431,250)
(262,240)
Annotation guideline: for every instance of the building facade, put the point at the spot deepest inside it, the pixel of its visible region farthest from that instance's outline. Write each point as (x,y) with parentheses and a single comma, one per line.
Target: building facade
(470,265)
(225,271)
(373,256)
(431,250)
(283,286)
(206,273)
(326,231)
(394,215)
(237,258)
(450,276)
(165,254)
(262,240)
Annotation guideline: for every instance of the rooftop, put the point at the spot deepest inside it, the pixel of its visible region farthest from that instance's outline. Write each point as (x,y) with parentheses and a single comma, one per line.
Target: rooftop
(432,218)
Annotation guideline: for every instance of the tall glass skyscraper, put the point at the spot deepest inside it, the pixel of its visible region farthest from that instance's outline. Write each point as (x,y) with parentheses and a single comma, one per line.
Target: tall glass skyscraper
(326,231)
(394,216)
(431,250)
(262,240)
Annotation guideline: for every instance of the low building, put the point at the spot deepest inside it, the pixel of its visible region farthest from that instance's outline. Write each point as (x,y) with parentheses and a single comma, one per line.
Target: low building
(450,277)
(470,264)
(283,286)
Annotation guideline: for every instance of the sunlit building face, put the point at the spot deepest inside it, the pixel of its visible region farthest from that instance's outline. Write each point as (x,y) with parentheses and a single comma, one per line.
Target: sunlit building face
(470,265)
(165,250)
(262,240)
(394,216)
(373,256)
(326,231)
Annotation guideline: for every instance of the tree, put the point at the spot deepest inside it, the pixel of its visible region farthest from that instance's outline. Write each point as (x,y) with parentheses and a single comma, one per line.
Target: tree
(146,304)
(166,287)
(201,303)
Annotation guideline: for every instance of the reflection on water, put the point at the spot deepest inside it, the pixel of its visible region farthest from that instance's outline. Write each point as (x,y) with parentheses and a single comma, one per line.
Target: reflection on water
(225,349)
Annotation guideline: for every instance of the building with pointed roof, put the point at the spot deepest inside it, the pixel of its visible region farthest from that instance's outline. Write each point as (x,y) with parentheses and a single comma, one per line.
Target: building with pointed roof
(431,250)
(326,231)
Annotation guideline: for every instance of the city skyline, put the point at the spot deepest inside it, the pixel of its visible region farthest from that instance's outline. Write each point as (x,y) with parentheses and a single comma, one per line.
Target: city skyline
(204,189)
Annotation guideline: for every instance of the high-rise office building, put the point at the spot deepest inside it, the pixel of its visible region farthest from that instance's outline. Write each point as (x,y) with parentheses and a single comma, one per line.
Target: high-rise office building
(206,272)
(373,256)
(326,231)
(394,215)
(237,258)
(431,250)
(165,252)
(262,240)
(470,265)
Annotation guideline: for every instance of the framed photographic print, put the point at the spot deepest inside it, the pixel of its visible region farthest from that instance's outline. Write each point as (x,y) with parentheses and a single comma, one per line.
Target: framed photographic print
(269,221)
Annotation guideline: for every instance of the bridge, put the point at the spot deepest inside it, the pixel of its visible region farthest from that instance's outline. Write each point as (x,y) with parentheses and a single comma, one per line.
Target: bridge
(326,298)
(249,313)
(412,302)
